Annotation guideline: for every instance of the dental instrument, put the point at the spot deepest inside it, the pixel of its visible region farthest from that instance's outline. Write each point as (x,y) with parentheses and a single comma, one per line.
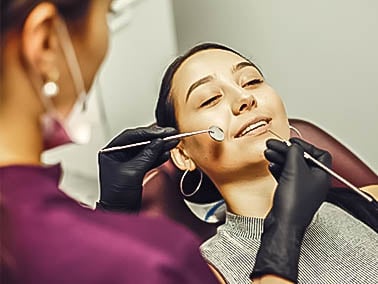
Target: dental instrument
(328,170)
(215,132)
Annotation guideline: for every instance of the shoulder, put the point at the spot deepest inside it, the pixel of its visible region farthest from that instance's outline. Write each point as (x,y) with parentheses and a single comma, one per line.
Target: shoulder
(125,230)
(53,235)
(153,249)
(356,205)
(99,247)
(215,243)
(336,218)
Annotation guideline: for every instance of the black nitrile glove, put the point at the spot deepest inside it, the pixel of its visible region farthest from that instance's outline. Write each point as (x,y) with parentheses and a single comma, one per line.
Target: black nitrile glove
(122,171)
(302,187)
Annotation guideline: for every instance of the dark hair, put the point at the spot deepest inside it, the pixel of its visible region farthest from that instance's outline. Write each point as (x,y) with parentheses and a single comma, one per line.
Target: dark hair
(165,112)
(14,12)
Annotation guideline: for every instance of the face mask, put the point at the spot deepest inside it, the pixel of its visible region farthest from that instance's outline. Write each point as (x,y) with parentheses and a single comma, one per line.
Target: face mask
(213,212)
(76,127)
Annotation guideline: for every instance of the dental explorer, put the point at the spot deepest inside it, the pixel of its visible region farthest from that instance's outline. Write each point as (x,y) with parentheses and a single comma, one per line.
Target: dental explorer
(328,170)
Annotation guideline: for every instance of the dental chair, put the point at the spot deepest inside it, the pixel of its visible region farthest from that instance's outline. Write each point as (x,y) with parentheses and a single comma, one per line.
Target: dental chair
(162,196)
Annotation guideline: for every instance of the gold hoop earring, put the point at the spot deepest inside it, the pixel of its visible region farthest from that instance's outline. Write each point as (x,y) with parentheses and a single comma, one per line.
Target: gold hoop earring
(182,184)
(296,130)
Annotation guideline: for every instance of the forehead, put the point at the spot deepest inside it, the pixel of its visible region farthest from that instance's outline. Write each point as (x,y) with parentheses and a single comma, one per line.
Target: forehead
(205,63)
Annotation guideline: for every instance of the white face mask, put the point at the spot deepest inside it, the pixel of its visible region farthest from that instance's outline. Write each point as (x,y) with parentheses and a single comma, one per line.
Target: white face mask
(75,128)
(213,212)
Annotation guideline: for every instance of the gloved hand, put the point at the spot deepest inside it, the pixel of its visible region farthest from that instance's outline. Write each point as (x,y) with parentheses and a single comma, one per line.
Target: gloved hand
(302,187)
(122,171)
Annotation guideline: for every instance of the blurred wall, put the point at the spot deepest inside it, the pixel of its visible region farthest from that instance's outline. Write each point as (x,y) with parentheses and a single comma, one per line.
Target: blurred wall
(139,53)
(321,57)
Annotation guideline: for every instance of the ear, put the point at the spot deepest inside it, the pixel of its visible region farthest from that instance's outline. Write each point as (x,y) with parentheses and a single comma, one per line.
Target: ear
(181,159)
(39,41)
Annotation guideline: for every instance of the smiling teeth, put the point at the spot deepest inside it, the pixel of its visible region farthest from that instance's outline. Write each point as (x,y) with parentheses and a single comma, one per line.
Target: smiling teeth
(253,127)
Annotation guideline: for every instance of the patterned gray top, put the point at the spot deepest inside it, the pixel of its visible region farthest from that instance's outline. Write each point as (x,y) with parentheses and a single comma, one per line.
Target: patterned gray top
(337,248)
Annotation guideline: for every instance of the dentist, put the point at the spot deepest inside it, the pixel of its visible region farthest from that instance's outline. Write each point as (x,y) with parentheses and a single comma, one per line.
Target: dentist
(50,54)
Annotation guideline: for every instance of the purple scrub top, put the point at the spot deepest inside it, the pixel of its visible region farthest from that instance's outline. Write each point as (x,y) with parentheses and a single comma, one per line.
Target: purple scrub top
(52,239)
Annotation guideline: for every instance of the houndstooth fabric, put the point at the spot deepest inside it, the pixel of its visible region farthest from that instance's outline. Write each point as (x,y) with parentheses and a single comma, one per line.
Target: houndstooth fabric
(337,248)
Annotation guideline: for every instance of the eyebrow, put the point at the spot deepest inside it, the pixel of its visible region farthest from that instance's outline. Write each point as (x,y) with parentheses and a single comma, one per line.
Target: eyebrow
(242,65)
(207,79)
(196,84)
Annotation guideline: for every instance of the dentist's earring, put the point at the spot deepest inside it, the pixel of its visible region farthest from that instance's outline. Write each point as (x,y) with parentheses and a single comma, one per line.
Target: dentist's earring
(51,88)
(182,184)
(296,131)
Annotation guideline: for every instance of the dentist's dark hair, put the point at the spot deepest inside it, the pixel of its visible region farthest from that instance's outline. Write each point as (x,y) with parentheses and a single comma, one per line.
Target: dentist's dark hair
(15,12)
(165,114)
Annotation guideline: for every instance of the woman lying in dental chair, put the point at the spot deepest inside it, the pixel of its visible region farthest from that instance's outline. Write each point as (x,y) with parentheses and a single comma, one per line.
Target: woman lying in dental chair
(214,85)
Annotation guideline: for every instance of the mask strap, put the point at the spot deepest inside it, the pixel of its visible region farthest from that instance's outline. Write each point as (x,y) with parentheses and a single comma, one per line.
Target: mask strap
(71,59)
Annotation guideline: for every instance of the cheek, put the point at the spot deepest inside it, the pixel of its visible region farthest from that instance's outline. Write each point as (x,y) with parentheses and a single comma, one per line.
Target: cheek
(193,120)
(205,153)
(103,41)
(278,111)
(94,52)
(273,103)
(99,43)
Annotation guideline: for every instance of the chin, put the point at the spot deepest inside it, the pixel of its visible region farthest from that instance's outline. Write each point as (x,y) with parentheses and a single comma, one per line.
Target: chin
(256,151)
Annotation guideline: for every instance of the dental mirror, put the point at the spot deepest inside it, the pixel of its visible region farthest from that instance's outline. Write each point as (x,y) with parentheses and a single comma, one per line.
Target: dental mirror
(215,133)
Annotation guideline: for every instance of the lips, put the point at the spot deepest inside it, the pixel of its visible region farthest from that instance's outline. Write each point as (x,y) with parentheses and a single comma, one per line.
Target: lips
(253,127)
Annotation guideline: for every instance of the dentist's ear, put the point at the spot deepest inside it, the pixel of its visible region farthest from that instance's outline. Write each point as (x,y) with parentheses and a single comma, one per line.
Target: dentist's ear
(181,159)
(39,41)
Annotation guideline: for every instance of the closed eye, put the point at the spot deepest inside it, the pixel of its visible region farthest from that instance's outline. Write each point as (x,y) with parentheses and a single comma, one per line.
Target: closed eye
(252,83)
(210,101)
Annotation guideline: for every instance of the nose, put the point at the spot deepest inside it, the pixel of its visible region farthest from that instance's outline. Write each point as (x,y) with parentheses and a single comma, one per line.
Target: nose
(243,102)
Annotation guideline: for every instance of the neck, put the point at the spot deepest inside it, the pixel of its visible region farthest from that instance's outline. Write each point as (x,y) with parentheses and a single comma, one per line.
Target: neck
(251,196)
(20,142)
(20,134)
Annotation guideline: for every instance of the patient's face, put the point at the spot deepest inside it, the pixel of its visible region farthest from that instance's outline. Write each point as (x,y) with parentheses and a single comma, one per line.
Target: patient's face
(218,87)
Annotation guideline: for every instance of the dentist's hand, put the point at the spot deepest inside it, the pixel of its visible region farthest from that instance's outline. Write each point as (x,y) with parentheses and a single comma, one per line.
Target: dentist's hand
(122,171)
(302,187)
